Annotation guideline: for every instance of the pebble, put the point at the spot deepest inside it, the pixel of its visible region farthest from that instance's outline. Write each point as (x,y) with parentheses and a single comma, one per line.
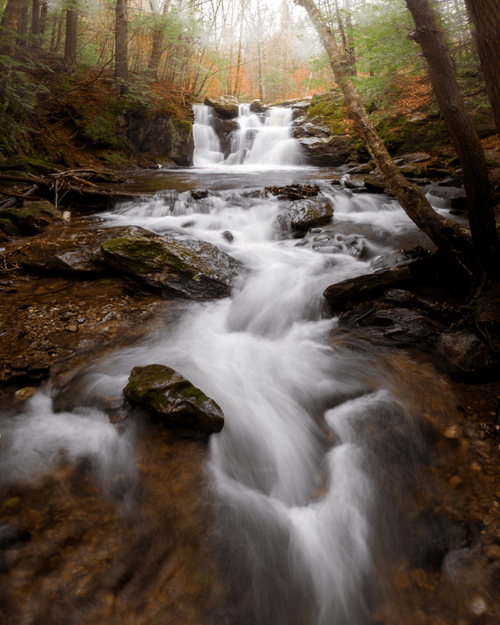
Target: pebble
(24,393)
(492,552)
(72,328)
(452,432)
(80,320)
(455,481)
(478,605)
(475,466)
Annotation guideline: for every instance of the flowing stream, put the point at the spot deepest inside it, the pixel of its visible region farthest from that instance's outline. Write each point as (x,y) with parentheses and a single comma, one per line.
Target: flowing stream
(322,439)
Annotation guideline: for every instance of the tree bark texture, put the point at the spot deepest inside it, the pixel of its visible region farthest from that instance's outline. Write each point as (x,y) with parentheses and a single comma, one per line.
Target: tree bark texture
(35,24)
(443,232)
(121,44)
(469,149)
(486,17)
(22,24)
(11,15)
(71,34)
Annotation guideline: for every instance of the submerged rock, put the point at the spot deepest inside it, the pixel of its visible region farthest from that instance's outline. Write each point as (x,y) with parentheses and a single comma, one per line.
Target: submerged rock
(305,214)
(168,395)
(191,269)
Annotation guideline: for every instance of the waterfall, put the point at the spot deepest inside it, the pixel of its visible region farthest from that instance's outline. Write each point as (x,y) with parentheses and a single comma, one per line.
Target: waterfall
(258,142)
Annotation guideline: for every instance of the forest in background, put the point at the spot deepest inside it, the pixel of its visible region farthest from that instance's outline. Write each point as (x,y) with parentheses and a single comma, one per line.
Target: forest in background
(189,49)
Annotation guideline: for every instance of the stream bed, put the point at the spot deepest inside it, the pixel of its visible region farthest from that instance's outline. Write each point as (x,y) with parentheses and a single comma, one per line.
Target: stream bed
(313,506)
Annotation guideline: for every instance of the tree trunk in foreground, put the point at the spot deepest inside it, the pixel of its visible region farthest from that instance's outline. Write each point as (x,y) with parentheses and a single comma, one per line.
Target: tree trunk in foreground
(462,133)
(121,45)
(443,232)
(486,17)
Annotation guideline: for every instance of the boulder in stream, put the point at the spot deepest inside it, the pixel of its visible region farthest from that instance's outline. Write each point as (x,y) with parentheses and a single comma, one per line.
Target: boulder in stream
(180,268)
(225,106)
(302,215)
(169,396)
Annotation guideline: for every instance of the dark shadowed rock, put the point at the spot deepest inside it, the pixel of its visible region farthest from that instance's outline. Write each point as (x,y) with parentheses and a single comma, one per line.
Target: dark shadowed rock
(32,219)
(374,183)
(365,287)
(161,136)
(70,251)
(464,353)
(304,214)
(181,268)
(168,395)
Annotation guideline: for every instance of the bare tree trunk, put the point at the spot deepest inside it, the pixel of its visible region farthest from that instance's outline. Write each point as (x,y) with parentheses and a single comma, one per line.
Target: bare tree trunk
(43,18)
(443,232)
(11,15)
(486,17)
(71,33)
(60,30)
(22,25)
(121,45)
(464,137)
(35,24)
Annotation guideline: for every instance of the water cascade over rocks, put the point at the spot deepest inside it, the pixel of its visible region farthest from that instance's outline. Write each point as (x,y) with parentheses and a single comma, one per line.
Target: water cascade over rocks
(322,440)
(259,141)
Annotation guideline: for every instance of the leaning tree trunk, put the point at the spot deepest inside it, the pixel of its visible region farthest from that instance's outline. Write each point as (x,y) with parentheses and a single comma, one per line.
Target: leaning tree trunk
(486,17)
(121,45)
(464,137)
(443,232)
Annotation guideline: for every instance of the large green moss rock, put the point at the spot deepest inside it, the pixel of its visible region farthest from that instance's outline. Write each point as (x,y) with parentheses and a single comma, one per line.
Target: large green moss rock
(225,106)
(168,395)
(180,268)
(32,219)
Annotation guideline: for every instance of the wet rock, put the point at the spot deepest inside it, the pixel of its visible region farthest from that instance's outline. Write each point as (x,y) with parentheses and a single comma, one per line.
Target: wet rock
(168,395)
(191,269)
(324,151)
(397,325)
(452,198)
(435,172)
(228,236)
(224,129)
(294,191)
(374,183)
(72,251)
(366,287)
(305,214)
(32,219)
(417,157)
(257,107)
(199,194)
(411,170)
(160,136)
(225,106)
(464,354)
(365,168)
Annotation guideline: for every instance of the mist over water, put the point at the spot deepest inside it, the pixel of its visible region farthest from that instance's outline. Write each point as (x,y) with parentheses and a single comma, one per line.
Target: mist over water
(299,479)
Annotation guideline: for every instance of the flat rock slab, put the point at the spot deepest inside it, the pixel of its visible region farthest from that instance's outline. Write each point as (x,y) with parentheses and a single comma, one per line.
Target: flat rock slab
(167,394)
(72,251)
(185,268)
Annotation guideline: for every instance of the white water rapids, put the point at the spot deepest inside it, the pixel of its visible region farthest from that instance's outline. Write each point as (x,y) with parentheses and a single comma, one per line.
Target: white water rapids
(301,484)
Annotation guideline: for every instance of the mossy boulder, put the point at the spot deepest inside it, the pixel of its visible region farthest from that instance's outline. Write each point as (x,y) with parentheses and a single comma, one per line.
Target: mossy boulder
(175,268)
(67,250)
(374,183)
(169,396)
(302,215)
(411,170)
(32,219)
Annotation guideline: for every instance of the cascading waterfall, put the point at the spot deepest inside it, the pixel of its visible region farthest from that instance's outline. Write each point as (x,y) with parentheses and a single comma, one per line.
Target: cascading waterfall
(257,142)
(315,438)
